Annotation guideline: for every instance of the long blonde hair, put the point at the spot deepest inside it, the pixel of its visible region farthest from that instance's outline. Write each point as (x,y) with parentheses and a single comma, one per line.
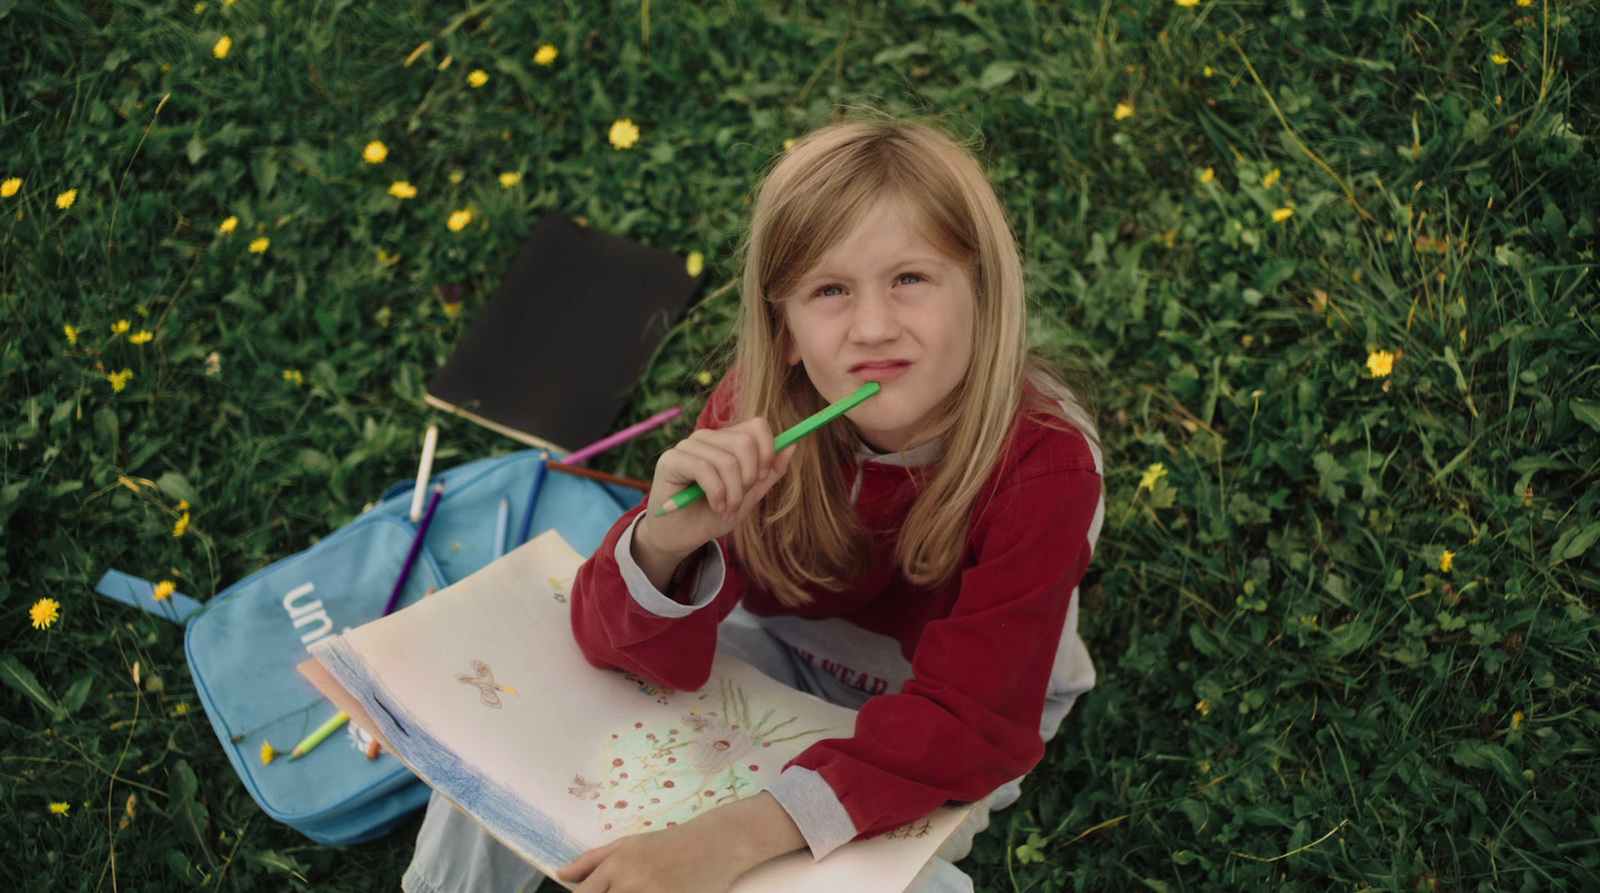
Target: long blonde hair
(805,532)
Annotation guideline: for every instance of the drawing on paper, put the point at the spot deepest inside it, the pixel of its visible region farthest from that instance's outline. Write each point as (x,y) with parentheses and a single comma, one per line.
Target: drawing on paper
(488,689)
(559,587)
(654,689)
(907,832)
(662,772)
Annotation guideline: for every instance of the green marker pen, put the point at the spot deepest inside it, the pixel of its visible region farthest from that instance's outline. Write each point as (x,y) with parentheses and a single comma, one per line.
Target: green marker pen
(785,439)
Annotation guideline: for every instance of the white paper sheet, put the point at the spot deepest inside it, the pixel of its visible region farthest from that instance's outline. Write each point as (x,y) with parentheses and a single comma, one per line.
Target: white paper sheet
(482,691)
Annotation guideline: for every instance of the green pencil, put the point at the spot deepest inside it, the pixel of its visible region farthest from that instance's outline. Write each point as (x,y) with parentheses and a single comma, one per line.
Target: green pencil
(786,438)
(315,738)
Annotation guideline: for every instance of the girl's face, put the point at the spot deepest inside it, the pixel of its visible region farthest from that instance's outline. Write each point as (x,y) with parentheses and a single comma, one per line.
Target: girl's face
(884,305)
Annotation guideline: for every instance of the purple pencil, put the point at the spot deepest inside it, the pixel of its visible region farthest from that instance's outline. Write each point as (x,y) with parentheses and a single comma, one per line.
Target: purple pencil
(626,434)
(416,547)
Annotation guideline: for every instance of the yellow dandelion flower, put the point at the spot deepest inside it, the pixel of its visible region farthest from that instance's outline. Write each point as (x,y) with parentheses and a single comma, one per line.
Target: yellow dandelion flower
(44,612)
(60,808)
(1188,2)
(294,377)
(181,710)
(696,263)
(402,189)
(457,175)
(223,46)
(1380,363)
(1282,214)
(118,327)
(788,144)
(119,380)
(267,753)
(1124,110)
(228,225)
(72,334)
(199,8)
(182,527)
(375,152)
(1154,473)
(546,55)
(10,187)
(458,220)
(1499,59)
(1516,719)
(164,590)
(1204,705)
(259,246)
(1208,70)
(65,199)
(510,179)
(624,133)
(1447,560)
(1271,178)
(1207,175)
(704,378)
(478,78)
(140,337)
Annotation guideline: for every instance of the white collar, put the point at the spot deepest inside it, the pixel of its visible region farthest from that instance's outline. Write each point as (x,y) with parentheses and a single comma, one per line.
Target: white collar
(923,454)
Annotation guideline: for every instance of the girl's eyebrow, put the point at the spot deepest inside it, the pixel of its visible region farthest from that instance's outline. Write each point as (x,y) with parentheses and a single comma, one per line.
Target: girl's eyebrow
(914,261)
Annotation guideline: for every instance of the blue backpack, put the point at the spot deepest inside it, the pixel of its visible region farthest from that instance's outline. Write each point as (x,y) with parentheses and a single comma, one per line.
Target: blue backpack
(244,644)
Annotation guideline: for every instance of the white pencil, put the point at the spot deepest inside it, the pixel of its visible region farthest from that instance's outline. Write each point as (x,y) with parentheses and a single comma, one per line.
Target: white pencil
(428,443)
(500,526)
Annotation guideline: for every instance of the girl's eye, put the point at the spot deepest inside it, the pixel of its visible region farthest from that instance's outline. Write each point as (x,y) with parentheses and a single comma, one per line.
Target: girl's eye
(908,279)
(829,291)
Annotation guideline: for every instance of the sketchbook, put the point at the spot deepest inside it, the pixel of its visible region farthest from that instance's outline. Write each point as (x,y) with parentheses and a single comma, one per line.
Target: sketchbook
(481,690)
(553,356)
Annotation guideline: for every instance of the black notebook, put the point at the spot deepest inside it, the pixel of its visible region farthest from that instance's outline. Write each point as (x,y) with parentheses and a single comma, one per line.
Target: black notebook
(553,356)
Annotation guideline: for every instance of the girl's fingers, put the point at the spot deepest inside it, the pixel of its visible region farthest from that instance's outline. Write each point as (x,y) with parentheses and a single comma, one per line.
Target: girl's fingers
(584,865)
(717,473)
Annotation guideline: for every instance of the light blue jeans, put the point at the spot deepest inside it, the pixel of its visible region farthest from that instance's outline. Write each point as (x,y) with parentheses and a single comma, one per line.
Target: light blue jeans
(455,855)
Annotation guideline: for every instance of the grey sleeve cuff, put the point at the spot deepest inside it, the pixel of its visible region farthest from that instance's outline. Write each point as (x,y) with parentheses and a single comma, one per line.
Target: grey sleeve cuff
(712,571)
(815,808)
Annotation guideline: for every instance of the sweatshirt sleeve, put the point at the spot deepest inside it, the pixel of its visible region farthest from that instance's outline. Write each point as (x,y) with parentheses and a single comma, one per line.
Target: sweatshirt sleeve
(621,621)
(968,721)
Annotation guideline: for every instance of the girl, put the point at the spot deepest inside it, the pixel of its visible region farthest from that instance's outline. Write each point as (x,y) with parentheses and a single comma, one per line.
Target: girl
(916,560)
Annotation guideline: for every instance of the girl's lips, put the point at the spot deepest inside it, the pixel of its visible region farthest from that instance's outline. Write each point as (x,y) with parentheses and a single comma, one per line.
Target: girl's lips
(880,374)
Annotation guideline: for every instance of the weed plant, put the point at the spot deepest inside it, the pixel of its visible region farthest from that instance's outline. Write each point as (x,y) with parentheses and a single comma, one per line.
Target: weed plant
(1328,266)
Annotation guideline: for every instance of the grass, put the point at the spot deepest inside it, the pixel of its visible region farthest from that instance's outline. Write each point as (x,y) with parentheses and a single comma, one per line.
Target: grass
(1298,689)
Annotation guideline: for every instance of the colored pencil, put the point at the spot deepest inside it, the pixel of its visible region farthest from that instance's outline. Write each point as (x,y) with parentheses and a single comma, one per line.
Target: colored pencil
(502,520)
(320,735)
(533,496)
(580,471)
(626,434)
(786,439)
(416,547)
(429,441)
(372,750)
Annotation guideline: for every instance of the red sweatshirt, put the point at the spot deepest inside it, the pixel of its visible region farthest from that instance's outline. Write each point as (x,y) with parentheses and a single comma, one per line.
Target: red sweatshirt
(970,678)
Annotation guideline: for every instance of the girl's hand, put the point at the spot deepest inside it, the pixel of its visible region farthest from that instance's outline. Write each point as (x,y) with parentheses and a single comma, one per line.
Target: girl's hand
(705,855)
(673,860)
(736,466)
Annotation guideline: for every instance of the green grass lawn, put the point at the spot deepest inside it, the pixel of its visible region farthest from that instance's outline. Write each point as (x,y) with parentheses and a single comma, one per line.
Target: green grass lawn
(1328,265)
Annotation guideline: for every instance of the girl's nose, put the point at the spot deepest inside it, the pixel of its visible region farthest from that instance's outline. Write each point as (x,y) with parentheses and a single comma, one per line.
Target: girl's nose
(874,318)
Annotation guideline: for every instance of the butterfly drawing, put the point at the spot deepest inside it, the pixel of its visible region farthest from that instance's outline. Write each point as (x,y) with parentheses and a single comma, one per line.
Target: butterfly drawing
(488,689)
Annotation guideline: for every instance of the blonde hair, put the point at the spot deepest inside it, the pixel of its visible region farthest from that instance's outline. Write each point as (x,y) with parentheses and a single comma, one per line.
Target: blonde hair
(805,531)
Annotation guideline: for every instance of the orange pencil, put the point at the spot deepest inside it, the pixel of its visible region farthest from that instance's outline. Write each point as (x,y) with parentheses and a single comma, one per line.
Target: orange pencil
(580,471)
